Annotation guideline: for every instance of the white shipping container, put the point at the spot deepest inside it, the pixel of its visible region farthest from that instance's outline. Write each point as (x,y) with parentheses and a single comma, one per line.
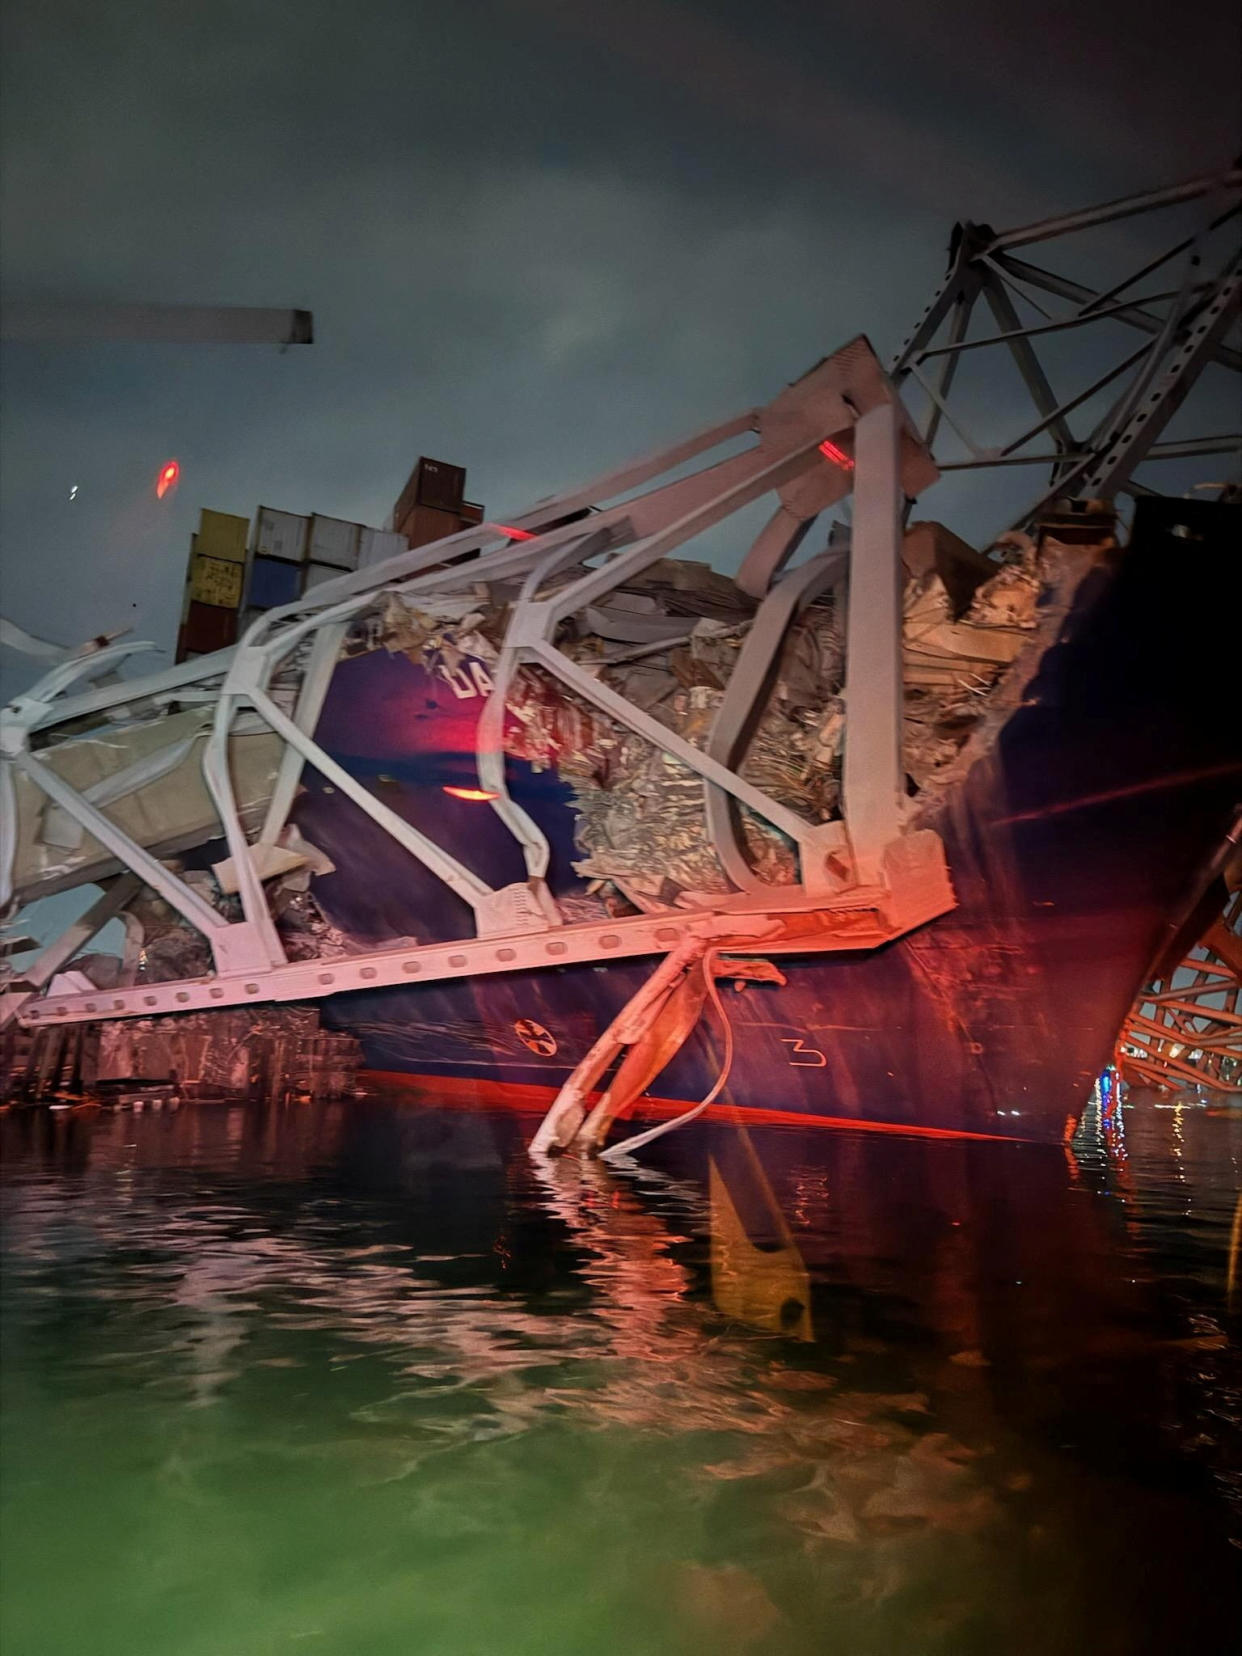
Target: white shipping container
(317,574)
(333,541)
(378,544)
(280,534)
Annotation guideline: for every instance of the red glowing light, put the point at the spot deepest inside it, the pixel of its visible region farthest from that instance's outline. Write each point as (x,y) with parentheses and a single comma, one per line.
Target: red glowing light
(474,795)
(514,534)
(170,476)
(838,456)
(1084,802)
(528,1096)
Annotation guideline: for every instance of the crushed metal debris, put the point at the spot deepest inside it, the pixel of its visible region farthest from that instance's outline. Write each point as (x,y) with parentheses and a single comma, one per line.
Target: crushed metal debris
(669,642)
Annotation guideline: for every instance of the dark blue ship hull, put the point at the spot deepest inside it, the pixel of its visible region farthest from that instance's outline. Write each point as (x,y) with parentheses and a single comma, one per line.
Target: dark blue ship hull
(1076,842)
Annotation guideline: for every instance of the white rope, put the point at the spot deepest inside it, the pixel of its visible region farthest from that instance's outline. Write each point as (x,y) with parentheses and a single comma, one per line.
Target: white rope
(616,1151)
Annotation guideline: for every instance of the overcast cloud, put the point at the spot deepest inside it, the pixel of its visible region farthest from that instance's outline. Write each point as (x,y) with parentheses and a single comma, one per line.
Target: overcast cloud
(537,236)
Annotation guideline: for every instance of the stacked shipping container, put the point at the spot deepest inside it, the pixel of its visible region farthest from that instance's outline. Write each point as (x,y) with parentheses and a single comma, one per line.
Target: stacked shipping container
(214,584)
(433,504)
(293,554)
(234,576)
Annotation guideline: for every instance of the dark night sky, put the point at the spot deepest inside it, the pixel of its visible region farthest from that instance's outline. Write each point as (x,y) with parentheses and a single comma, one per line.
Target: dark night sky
(537,236)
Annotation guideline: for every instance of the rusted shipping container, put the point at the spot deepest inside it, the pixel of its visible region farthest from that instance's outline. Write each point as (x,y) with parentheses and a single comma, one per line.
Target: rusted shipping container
(206,627)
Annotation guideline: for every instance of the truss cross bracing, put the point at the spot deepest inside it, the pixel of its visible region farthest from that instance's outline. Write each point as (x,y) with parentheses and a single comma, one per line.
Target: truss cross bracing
(1125,353)
(841,431)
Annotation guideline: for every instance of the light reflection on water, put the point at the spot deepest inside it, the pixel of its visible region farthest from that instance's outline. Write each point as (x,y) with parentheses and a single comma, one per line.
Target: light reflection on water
(360,1379)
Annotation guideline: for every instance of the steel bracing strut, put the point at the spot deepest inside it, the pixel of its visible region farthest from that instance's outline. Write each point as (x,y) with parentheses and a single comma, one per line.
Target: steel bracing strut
(1129,399)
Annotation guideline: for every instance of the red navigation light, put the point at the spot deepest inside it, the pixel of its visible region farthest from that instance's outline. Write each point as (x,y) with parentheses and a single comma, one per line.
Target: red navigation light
(476,796)
(838,456)
(170,476)
(515,534)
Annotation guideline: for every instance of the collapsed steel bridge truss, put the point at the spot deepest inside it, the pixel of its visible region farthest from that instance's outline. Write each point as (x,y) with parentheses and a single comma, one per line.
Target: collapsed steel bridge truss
(840,431)
(862,879)
(1123,391)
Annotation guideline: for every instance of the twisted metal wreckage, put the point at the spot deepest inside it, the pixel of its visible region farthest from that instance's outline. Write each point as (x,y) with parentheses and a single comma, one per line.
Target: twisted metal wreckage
(566,591)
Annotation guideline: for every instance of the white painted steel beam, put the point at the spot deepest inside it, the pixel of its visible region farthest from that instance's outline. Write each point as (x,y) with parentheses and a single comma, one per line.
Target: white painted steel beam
(184,675)
(417,571)
(1056,416)
(1125,207)
(175,892)
(957,284)
(1105,461)
(771,550)
(490,731)
(855,920)
(637,472)
(458,878)
(61,950)
(82,664)
(1125,447)
(872,778)
(744,480)
(1129,432)
(962,309)
(1083,318)
(262,942)
(730,733)
(1028,363)
(320,666)
(8,832)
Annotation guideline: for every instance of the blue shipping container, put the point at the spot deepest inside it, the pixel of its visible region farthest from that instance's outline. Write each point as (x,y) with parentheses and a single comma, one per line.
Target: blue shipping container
(273,581)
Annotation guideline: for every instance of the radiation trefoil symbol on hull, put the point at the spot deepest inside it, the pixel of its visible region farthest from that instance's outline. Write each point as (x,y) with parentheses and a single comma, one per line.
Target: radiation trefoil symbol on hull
(535,1036)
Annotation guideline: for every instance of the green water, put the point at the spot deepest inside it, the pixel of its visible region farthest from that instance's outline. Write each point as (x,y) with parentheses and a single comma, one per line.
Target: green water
(355,1381)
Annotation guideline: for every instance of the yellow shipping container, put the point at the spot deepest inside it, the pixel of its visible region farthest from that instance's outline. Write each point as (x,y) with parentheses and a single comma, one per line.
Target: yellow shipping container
(216,581)
(221,535)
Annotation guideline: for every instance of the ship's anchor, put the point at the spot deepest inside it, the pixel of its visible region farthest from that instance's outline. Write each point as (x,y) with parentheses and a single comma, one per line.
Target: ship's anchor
(654,1025)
